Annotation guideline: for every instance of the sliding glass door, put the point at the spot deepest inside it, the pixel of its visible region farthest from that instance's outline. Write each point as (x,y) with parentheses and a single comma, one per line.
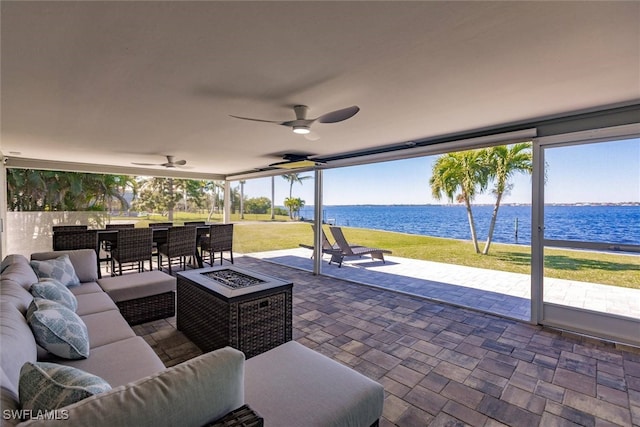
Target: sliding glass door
(588,233)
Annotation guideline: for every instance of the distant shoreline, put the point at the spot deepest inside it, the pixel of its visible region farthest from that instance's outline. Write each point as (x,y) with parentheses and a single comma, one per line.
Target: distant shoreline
(490,204)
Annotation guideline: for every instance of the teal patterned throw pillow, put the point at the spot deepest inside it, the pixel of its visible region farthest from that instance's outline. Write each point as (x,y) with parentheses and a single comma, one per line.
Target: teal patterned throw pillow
(59,268)
(53,290)
(58,330)
(48,386)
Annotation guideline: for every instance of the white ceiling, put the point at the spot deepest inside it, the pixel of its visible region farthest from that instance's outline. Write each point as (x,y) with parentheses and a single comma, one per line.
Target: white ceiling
(112,83)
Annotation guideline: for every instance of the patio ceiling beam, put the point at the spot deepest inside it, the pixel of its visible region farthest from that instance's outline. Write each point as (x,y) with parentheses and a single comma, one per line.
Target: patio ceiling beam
(26,163)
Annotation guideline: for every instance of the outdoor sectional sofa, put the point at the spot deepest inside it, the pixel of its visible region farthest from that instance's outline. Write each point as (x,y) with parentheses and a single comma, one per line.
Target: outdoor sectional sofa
(289,385)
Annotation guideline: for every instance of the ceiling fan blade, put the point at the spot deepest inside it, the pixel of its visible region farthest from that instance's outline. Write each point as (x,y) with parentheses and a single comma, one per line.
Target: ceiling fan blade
(145,164)
(339,115)
(256,120)
(180,162)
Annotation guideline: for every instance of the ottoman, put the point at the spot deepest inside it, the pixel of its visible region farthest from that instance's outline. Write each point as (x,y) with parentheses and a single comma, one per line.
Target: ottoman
(292,386)
(142,297)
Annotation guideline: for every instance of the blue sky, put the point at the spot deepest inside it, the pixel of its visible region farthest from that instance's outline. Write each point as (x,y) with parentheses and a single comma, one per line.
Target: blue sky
(601,172)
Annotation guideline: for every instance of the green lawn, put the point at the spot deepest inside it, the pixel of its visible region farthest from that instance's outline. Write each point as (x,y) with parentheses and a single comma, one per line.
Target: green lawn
(258,233)
(595,267)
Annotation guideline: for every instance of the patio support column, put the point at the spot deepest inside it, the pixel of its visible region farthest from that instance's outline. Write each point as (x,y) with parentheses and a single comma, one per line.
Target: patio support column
(3,207)
(317,220)
(226,212)
(273,197)
(537,234)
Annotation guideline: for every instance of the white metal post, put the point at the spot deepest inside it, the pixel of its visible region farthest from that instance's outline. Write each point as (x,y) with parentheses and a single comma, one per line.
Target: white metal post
(537,233)
(226,213)
(317,220)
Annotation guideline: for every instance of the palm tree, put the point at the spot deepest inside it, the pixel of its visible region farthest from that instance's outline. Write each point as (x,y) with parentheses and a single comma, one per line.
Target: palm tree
(505,161)
(294,205)
(293,178)
(461,176)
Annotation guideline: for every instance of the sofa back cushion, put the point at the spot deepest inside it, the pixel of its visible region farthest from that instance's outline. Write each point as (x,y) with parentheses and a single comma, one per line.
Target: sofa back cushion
(16,269)
(17,295)
(18,346)
(84,261)
(193,393)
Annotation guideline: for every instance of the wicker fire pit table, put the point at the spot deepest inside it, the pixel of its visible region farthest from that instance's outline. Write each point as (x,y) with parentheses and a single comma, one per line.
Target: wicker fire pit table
(231,306)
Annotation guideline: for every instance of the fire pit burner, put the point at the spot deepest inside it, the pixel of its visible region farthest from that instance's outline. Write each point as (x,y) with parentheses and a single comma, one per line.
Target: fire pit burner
(233,279)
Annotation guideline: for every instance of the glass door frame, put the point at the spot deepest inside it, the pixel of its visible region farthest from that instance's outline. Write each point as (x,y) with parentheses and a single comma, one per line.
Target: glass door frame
(598,324)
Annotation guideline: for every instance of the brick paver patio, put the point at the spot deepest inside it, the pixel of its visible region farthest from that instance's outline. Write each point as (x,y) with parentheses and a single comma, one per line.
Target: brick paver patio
(499,292)
(447,366)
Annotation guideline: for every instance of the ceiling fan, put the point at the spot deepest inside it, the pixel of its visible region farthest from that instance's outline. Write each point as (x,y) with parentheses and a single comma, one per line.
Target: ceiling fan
(296,161)
(170,163)
(302,125)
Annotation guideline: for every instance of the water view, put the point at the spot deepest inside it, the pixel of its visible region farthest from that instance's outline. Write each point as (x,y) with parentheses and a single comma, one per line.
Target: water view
(597,223)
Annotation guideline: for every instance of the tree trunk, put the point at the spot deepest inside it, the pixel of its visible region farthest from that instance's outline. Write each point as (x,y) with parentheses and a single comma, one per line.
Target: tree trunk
(213,208)
(494,216)
(290,198)
(472,225)
(170,214)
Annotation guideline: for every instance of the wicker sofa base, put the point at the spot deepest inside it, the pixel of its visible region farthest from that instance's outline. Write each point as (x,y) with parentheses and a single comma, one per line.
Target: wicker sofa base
(146,309)
(244,416)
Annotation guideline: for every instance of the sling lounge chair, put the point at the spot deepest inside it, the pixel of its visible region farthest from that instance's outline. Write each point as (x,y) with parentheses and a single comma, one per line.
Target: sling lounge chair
(327,247)
(351,250)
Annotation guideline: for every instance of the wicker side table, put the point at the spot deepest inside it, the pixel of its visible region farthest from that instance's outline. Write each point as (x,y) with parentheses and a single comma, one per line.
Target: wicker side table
(252,319)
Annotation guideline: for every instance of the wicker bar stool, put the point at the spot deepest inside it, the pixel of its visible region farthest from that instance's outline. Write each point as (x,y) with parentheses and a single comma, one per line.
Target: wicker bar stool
(133,245)
(181,243)
(107,245)
(220,240)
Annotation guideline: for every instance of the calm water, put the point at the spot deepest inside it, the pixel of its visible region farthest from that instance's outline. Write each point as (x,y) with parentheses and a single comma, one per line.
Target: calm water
(614,224)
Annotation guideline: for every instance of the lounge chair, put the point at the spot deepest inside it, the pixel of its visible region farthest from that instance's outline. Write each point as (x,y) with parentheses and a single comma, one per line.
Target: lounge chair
(352,250)
(327,247)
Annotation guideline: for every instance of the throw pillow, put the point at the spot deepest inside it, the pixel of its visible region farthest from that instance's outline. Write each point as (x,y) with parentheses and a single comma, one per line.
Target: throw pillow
(59,268)
(58,330)
(53,290)
(49,386)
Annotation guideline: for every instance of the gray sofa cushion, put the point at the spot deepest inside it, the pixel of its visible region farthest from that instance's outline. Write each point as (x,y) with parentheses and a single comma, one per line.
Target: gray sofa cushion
(18,345)
(192,393)
(134,286)
(330,394)
(17,295)
(107,361)
(95,302)
(19,272)
(12,259)
(86,288)
(106,327)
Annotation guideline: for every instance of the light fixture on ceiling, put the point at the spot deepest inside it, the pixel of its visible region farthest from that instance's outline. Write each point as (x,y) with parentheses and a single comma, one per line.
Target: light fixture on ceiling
(301,130)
